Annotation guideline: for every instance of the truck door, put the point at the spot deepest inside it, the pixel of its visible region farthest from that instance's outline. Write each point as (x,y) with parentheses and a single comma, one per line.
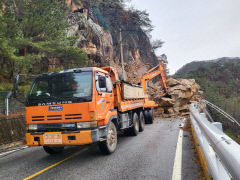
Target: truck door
(104,98)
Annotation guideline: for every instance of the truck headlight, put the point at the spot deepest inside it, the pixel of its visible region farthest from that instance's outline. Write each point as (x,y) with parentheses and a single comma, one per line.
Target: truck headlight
(68,125)
(84,125)
(32,127)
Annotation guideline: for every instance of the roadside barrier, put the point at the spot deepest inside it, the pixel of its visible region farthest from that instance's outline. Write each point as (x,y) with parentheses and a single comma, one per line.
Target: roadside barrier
(12,129)
(221,153)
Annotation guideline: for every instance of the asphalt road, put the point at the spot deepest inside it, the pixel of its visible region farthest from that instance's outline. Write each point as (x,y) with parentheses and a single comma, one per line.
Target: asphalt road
(150,155)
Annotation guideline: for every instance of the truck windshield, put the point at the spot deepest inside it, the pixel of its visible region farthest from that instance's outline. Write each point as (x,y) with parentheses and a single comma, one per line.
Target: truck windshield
(66,86)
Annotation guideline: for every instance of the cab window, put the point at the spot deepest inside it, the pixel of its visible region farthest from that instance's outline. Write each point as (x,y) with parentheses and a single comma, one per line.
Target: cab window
(101,84)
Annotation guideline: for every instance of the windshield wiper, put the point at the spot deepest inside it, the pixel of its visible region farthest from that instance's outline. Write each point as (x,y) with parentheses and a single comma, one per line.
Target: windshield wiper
(54,98)
(85,98)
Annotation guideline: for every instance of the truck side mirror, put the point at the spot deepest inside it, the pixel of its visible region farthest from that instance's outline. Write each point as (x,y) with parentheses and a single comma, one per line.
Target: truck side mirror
(15,86)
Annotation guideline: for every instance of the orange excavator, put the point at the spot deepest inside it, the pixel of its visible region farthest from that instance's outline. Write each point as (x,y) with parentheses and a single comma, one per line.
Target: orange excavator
(159,70)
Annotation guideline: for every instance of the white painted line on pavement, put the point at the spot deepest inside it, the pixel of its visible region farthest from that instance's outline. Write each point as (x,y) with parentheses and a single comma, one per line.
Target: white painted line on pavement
(183,123)
(12,151)
(177,168)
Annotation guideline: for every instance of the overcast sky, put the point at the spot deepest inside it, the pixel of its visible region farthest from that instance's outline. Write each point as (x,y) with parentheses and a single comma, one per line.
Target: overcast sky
(194,29)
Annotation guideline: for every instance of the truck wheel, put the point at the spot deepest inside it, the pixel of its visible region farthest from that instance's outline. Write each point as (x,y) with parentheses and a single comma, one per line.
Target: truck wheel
(150,116)
(110,144)
(141,122)
(53,150)
(135,128)
(146,116)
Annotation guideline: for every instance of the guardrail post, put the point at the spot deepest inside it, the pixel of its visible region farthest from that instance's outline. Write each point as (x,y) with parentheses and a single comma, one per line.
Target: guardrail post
(6,106)
(218,125)
(7,103)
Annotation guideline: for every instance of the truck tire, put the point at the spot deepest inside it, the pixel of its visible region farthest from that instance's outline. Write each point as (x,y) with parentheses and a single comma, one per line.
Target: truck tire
(135,128)
(146,116)
(110,144)
(141,121)
(53,150)
(150,116)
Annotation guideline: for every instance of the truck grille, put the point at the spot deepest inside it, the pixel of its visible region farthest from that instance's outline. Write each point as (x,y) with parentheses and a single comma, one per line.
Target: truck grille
(37,118)
(54,117)
(73,116)
(57,117)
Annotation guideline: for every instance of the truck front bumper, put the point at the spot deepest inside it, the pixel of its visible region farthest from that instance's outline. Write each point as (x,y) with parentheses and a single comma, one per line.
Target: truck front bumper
(64,138)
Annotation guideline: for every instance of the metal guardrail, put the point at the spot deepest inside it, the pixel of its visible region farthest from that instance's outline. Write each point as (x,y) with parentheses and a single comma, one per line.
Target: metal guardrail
(226,115)
(10,105)
(222,154)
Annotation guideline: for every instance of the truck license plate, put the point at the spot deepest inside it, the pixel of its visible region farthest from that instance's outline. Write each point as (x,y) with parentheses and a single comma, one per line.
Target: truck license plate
(52,138)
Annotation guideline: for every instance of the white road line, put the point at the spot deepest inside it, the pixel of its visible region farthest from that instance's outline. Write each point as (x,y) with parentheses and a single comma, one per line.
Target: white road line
(183,123)
(12,151)
(177,168)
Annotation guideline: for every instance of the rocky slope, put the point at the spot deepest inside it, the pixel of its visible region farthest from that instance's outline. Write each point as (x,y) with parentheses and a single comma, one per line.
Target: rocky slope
(95,28)
(98,31)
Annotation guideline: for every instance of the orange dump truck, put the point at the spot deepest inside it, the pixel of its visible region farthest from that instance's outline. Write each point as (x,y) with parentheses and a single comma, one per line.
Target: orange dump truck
(84,106)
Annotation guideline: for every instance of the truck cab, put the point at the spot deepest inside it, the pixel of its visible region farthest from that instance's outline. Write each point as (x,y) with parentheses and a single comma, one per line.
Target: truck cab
(70,107)
(84,106)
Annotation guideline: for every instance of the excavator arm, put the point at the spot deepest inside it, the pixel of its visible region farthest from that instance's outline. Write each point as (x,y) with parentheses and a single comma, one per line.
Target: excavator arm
(158,70)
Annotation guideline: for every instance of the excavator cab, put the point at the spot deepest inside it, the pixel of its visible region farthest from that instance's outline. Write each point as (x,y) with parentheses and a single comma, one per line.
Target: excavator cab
(160,71)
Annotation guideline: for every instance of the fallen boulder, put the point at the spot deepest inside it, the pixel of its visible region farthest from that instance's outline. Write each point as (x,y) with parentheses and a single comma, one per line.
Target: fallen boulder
(181,92)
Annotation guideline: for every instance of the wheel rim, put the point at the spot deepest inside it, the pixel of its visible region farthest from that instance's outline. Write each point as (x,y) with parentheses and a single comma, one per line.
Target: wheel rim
(112,137)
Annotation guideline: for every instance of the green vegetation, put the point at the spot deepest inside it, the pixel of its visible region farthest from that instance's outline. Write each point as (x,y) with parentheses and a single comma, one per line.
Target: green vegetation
(24,89)
(231,135)
(6,86)
(9,86)
(31,33)
(220,83)
(34,34)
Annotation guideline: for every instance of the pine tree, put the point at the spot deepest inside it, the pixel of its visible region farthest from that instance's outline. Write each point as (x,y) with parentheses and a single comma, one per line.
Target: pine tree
(32,31)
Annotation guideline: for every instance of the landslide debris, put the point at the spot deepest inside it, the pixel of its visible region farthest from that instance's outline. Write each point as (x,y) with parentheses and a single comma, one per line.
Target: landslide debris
(181,92)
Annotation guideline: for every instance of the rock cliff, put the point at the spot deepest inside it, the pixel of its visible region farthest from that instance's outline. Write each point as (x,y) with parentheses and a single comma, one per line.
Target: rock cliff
(98,30)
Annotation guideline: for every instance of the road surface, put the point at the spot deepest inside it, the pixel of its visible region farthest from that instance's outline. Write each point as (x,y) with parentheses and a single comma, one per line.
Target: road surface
(150,155)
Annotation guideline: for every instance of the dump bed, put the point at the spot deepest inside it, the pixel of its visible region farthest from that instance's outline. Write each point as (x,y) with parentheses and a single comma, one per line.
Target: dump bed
(128,96)
(132,91)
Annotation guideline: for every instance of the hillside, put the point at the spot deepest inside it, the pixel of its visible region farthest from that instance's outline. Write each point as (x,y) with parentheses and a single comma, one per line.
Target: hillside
(73,33)
(192,66)
(220,82)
